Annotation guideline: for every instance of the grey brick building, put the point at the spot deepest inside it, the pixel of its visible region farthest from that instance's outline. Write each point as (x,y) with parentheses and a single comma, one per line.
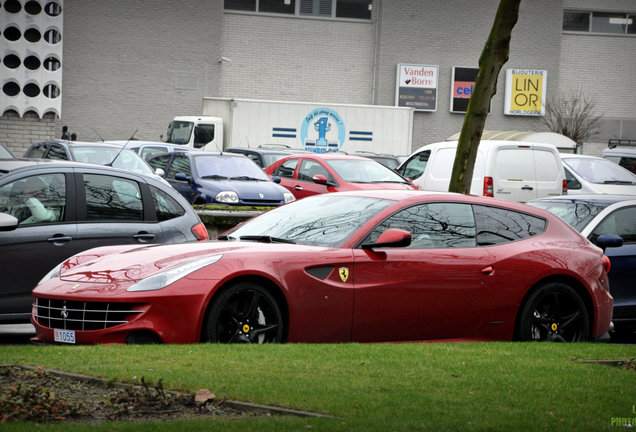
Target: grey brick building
(131,66)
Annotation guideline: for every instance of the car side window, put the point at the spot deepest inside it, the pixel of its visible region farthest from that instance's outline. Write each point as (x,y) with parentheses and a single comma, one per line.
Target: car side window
(159,162)
(57,152)
(497,225)
(150,151)
(573,183)
(286,169)
(166,207)
(629,163)
(255,158)
(432,226)
(37,151)
(415,166)
(309,168)
(180,164)
(36,199)
(622,222)
(112,199)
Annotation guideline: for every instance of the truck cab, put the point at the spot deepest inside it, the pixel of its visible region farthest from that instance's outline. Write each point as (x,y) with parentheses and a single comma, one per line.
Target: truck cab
(198,132)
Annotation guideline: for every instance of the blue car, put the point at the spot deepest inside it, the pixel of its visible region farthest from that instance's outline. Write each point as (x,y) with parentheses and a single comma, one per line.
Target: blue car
(220,178)
(593,216)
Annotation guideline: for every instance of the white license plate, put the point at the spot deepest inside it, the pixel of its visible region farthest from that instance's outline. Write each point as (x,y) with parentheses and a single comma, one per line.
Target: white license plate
(65,336)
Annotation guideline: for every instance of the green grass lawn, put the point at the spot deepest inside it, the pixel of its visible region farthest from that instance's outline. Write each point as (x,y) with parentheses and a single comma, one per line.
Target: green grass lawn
(380,387)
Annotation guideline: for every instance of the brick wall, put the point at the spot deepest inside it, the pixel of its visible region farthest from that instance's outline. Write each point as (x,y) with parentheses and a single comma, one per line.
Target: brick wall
(19,133)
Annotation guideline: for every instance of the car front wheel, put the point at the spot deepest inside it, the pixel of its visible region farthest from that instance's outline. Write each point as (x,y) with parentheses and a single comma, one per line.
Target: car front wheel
(554,313)
(244,313)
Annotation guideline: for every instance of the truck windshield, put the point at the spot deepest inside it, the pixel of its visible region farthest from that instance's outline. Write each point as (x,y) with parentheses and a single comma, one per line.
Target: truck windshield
(179,132)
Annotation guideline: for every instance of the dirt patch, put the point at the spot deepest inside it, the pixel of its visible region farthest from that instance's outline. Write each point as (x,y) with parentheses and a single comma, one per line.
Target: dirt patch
(41,396)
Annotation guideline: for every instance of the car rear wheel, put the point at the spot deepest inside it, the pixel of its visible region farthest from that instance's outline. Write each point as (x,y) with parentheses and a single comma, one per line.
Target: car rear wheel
(244,313)
(554,313)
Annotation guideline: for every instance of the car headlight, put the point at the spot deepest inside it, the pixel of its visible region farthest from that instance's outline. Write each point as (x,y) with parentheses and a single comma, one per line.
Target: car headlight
(227,197)
(163,279)
(289,197)
(52,274)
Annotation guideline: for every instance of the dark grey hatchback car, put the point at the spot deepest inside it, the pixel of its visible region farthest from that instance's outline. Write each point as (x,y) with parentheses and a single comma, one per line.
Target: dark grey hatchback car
(63,208)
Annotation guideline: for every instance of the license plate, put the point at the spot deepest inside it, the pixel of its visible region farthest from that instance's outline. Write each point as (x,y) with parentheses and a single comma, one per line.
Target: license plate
(65,336)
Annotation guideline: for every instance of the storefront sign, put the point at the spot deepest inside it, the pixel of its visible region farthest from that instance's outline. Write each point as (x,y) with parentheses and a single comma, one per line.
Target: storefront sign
(417,87)
(525,92)
(462,84)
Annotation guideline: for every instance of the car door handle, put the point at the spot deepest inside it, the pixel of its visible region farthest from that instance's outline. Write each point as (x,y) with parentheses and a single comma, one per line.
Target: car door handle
(60,238)
(490,270)
(298,188)
(144,236)
(527,188)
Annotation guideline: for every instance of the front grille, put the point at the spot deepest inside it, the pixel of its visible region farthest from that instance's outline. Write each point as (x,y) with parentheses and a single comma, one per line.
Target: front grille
(261,202)
(75,315)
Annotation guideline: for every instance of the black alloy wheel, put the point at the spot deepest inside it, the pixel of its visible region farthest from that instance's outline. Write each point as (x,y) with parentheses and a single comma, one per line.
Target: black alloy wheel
(554,313)
(244,313)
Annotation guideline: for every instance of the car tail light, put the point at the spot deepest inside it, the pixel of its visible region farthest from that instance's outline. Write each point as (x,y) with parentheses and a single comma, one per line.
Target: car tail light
(488,187)
(607,265)
(564,191)
(200,232)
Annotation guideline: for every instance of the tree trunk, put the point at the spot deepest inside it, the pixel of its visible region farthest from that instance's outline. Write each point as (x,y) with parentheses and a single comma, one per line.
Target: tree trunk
(493,57)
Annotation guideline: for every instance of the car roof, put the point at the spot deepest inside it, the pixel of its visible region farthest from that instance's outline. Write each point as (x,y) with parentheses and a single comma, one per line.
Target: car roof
(13,165)
(327,156)
(71,144)
(137,143)
(257,150)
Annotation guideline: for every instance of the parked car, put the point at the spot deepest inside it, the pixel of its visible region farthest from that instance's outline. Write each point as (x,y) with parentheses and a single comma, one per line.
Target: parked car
(96,153)
(360,266)
(310,174)
(513,171)
(622,152)
(594,216)
(149,149)
(387,160)
(220,178)
(264,157)
(5,153)
(67,207)
(593,175)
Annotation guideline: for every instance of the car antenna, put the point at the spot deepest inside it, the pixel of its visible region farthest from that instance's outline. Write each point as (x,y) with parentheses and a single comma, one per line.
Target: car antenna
(110,164)
(100,137)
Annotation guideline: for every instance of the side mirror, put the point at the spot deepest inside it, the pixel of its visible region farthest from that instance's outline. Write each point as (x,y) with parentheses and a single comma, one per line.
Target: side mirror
(392,237)
(8,222)
(182,177)
(320,179)
(609,240)
(160,172)
(276,180)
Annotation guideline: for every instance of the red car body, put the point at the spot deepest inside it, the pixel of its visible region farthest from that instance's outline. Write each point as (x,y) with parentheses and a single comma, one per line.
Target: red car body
(314,174)
(350,293)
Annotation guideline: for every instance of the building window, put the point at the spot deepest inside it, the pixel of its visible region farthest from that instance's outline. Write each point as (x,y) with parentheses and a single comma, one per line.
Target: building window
(611,23)
(356,9)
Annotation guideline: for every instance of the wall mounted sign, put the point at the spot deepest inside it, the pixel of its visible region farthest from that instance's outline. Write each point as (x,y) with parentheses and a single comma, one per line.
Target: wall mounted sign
(417,87)
(462,84)
(525,92)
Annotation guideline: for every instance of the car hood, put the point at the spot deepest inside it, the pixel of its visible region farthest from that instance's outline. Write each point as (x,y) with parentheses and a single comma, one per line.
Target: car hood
(246,189)
(126,264)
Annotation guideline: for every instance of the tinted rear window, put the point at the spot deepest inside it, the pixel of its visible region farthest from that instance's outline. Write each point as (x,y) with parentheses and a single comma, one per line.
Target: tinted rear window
(496,225)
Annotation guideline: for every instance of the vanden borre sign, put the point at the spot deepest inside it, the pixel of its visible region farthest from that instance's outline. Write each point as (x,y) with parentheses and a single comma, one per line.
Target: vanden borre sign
(417,87)
(525,92)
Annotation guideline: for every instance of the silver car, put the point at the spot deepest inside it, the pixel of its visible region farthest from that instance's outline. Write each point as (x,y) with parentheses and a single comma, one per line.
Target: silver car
(63,208)
(593,175)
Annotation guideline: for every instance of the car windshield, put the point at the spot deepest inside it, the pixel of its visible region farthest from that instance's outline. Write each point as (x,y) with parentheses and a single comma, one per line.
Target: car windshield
(600,171)
(125,158)
(179,132)
(228,167)
(364,171)
(576,214)
(323,220)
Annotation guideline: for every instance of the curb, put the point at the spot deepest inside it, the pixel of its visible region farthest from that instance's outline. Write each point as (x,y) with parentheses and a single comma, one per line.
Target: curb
(242,406)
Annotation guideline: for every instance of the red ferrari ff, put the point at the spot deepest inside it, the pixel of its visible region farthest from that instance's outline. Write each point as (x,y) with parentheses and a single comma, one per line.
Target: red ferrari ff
(363,266)
(309,174)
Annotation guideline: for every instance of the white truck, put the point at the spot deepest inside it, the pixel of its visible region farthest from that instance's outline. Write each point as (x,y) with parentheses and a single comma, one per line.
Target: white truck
(227,123)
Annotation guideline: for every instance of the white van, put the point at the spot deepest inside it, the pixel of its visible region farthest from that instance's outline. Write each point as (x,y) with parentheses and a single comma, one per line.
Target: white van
(509,170)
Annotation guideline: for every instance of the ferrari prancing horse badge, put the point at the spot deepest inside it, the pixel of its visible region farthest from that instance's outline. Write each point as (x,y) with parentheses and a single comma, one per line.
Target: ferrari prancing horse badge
(344,273)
